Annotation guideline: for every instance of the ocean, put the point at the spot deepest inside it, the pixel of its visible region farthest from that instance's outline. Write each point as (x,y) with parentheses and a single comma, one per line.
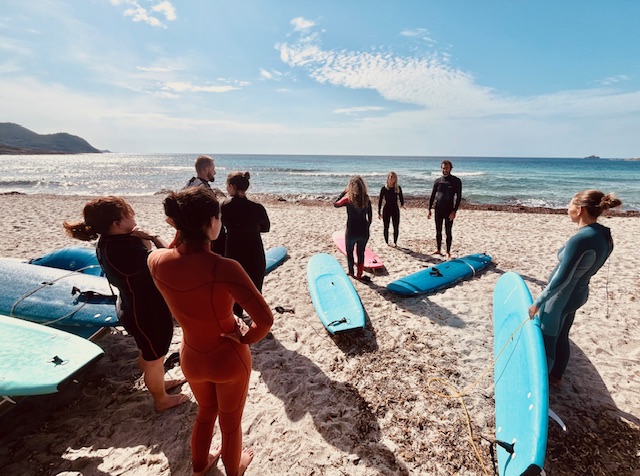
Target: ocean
(534,182)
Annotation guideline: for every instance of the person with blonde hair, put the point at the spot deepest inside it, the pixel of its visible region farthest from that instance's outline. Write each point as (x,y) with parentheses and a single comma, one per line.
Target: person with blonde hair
(390,194)
(359,218)
(122,251)
(568,288)
(200,287)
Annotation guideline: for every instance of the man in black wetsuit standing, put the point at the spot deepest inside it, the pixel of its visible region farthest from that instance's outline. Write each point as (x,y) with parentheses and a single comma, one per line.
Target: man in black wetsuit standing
(205,173)
(446,196)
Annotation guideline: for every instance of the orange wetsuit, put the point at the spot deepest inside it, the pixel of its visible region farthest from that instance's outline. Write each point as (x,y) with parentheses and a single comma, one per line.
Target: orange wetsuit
(200,289)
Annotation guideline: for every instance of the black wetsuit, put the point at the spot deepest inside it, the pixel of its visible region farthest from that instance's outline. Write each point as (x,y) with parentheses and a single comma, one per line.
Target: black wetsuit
(446,196)
(144,314)
(391,210)
(244,221)
(217,246)
(357,233)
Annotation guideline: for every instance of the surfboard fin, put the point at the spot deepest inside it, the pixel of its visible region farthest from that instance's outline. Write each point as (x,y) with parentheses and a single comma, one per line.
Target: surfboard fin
(554,416)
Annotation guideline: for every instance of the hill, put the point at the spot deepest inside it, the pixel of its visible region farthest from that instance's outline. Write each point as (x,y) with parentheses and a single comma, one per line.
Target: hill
(15,139)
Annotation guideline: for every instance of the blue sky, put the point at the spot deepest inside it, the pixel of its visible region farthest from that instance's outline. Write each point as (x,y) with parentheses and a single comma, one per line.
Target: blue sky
(547,78)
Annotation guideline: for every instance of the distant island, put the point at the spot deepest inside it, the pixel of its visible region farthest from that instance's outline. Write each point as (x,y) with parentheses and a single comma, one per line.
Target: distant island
(592,157)
(18,140)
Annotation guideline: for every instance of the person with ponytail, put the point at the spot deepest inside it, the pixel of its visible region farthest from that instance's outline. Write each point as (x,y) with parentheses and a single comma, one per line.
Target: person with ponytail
(244,221)
(122,251)
(359,218)
(389,195)
(568,287)
(200,288)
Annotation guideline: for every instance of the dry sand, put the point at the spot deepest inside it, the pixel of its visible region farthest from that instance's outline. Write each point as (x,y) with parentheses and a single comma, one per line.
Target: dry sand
(356,404)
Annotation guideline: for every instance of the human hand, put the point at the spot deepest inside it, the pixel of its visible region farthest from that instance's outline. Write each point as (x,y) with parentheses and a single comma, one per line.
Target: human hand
(429,214)
(143,235)
(452,216)
(379,217)
(533,310)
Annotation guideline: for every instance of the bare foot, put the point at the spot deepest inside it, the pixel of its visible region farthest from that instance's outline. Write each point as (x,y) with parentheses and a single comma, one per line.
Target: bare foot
(437,252)
(172,401)
(448,255)
(245,459)
(213,459)
(173,383)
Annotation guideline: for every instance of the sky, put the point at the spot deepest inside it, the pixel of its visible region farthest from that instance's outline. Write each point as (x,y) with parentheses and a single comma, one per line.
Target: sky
(527,78)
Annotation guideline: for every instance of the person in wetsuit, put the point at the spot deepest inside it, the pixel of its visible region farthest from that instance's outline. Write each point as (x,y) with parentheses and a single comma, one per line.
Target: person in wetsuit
(445,197)
(122,252)
(390,194)
(205,173)
(245,221)
(200,288)
(359,218)
(568,288)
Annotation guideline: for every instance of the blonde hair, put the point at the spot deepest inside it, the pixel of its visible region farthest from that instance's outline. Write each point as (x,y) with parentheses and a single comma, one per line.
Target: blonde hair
(357,192)
(596,202)
(396,187)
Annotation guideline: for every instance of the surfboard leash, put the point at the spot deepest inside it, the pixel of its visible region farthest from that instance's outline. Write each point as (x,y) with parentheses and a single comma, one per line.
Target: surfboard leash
(460,394)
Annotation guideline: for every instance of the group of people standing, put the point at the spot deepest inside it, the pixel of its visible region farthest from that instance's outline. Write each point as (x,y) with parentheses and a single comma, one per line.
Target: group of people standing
(213,271)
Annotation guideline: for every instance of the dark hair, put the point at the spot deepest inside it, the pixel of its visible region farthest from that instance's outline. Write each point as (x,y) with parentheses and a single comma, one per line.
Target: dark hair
(240,180)
(596,202)
(447,162)
(191,210)
(99,214)
(202,162)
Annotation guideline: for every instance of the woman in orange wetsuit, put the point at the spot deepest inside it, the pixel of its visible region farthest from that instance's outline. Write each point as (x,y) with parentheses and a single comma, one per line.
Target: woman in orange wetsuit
(200,287)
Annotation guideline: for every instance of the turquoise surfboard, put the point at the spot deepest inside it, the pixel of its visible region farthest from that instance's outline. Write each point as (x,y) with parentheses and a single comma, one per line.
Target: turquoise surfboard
(440,276)
(334,298)
(274,257)
(75,302)
(73,258)
(521,382)
(36,360)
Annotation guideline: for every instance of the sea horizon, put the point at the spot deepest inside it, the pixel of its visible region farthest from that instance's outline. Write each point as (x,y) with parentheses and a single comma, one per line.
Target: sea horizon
(520,181)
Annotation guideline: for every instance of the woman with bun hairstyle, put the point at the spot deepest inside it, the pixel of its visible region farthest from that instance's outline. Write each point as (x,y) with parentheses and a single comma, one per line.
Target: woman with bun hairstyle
(568,287)
(200,288)
(122,251)
(390,194)
(244,221)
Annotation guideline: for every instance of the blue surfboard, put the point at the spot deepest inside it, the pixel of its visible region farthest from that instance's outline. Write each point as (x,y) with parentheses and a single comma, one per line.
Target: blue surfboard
(36,360)
(73,258)
(274,257)
(334,298)
(68,300)
(440,276)
(521,382)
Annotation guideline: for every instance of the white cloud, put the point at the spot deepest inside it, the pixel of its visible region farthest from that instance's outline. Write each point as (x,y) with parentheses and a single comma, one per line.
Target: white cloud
(358,109)
(418,33)
(301,24)
(613,80)
(157,69)
(272,74)
(185,86)
(139,13)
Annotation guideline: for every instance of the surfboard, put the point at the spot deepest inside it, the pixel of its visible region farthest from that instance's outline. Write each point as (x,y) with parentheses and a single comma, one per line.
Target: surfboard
(37,360)
(334,298)
(371,259)
(440,276)
(274,257)
(68,300)
(521,382)
(73,258)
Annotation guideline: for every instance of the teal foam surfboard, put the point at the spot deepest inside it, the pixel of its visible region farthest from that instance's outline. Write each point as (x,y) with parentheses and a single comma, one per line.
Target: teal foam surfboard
(75,302)
(73,258)
(334,298)
(521,382)
(440,276)
(274,257)
(36,360)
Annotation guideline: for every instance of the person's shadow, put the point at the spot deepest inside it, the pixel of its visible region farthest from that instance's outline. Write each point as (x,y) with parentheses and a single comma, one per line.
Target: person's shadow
(340,414)
(600,438)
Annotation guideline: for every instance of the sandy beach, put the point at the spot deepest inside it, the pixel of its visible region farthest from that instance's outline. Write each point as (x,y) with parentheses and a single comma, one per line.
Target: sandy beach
(358,404)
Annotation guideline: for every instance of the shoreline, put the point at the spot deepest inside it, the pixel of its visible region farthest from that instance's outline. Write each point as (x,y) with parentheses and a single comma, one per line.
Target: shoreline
(412,201)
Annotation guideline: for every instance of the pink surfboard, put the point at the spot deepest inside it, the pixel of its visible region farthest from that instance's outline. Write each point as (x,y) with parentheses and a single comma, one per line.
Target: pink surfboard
(371,260)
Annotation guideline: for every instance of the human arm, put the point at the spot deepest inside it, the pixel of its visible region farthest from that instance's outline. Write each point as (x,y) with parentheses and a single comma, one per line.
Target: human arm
(369,212)
(264,225)
(342,200)
(400,196)
(458,192)
(432,197)
(149,238)
(380,200)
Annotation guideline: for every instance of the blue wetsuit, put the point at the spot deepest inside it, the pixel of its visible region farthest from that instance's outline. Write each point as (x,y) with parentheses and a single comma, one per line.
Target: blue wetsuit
(568,290)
